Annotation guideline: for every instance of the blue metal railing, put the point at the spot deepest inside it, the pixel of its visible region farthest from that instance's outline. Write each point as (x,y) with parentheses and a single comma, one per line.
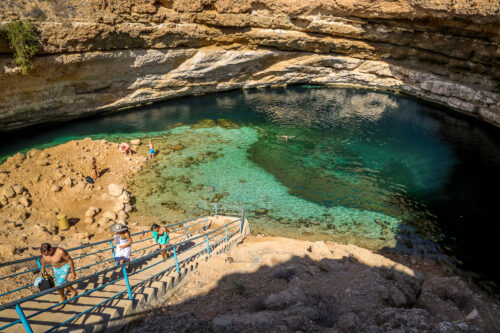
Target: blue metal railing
(37,258)
(229,230)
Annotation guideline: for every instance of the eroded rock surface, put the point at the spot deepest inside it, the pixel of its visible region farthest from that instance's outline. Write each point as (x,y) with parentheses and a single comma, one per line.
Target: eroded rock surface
(96,56)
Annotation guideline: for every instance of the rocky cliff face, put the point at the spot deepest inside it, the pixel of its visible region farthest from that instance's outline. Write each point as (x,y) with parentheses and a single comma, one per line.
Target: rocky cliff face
(97,55)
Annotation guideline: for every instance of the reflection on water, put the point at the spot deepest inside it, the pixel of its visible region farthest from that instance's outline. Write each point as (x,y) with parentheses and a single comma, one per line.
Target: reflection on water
(366,167)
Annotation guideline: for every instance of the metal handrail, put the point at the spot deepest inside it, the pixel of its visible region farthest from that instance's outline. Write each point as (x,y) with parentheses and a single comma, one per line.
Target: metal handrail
(67,284)
(79,248)
(23,319)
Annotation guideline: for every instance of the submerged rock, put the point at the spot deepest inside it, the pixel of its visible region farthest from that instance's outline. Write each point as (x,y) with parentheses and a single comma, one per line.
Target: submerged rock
(261,211)
(204,123)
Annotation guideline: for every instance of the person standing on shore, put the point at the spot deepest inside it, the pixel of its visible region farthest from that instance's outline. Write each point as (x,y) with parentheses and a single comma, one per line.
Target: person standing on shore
(160,235)
(62,264)
(151,150)
(94,168)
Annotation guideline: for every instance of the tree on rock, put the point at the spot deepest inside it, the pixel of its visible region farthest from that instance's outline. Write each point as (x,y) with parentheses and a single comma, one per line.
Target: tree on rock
(23,43)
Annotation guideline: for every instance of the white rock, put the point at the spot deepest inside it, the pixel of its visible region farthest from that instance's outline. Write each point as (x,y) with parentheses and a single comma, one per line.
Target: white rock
(68,182)
(125,197)
(89,220)
(122,215)
(127,208)
(90,213)
(109,215)
(24,202)
(118,206)
(8,192)
(115,189)
(18,189)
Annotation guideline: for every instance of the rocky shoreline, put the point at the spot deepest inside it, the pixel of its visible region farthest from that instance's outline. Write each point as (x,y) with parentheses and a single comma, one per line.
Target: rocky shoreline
(269,284)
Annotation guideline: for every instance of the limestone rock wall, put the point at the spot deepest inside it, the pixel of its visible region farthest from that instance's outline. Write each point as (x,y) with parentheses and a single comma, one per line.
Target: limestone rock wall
(101,55)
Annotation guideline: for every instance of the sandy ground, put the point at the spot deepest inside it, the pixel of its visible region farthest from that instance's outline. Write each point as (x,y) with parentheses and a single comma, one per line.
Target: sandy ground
(37,186)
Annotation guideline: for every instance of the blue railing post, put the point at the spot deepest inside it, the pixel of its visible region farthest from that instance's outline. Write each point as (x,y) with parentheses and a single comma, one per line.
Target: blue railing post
(226,233)
(241,221)
(21,315)
(208,244)
(125,275)
(176,262)
(112,250)
(187,233)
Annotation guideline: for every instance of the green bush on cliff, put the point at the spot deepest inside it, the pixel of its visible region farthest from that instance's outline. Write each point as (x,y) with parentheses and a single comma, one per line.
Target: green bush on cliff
(22,41)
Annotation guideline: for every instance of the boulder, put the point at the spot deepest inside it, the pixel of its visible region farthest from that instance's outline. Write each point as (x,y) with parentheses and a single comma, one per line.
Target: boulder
(3,200)
(109,215)
(348,322)
(330,265)
(397,297)
(42,162)
(24,202)
(56,188)
(18,189)
(8,192)
(284,299)
(32,153)
(115,190)
(127,208)
(118,206)
(122,215)
(68,182)
(261,211)
(81,235)
(89,220)
(135,142)
(124,197)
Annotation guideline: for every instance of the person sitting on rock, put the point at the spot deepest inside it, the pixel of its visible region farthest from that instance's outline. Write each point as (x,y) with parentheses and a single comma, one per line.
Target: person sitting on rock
(160,235)
(62,264)
(124,148)
(123,243)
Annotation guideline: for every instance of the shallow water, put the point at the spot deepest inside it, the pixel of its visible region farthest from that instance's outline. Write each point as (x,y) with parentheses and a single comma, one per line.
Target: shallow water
(375,169)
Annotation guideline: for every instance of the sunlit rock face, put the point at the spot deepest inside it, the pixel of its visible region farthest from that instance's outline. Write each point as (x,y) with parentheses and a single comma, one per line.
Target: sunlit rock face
(96,56)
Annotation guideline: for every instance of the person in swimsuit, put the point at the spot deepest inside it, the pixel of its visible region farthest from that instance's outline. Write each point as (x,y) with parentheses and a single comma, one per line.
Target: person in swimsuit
(62,264)
(94,168)
(124,148)
(286,137)
(122,243)
(151,150)
(160,235)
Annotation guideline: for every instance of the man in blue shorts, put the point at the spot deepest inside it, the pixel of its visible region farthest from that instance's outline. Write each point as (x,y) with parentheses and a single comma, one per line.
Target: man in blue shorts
(62,264)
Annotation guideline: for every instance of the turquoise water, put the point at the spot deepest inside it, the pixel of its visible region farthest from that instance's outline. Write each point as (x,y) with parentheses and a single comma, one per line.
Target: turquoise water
(371,168)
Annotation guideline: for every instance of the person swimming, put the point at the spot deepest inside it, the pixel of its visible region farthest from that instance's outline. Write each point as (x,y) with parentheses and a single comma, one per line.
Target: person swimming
(286,137)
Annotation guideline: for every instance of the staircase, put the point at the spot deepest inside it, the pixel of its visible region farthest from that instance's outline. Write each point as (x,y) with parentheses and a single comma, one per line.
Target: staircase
(152,281)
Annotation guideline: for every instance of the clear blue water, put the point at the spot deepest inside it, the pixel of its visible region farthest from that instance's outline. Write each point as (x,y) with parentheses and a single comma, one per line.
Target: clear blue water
(366,167)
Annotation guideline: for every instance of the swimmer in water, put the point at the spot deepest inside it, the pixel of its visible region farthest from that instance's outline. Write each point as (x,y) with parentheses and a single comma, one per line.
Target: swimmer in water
(286,137)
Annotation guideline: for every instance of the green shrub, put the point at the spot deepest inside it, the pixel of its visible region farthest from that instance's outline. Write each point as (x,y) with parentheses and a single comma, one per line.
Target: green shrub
(22,41)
